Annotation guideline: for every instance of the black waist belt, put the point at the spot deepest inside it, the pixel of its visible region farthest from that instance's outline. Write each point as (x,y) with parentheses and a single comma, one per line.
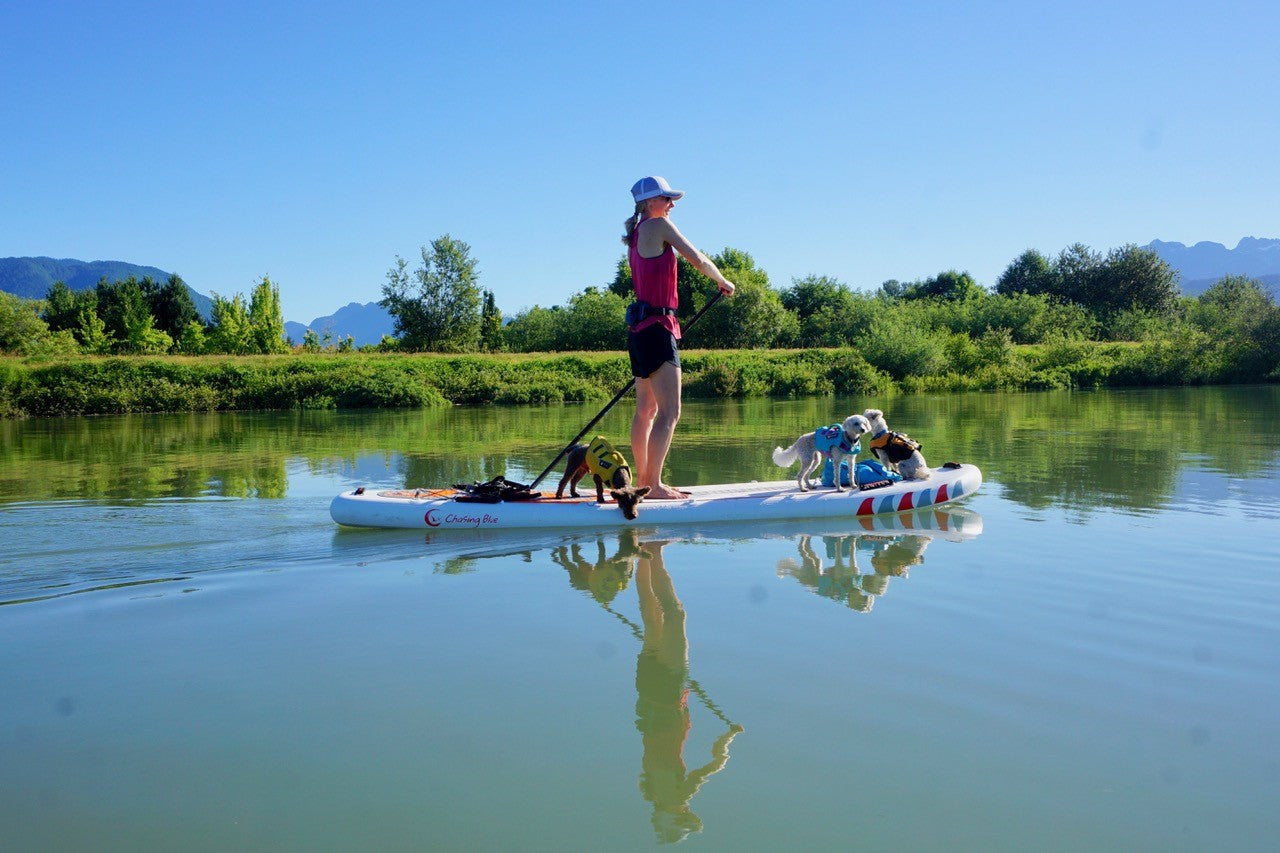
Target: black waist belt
(639,310)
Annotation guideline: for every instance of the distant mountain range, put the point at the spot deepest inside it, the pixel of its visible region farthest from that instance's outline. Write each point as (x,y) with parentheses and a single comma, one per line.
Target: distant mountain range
(31,278)
(1205,263)
(366,324)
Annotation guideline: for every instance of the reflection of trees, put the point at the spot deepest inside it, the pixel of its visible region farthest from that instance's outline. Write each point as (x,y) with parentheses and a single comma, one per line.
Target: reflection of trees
(142,456)
(1071,450)
(837,575)
(1074,450)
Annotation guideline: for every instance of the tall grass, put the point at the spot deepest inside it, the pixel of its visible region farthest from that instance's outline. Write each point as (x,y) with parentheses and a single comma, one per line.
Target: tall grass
(919,361)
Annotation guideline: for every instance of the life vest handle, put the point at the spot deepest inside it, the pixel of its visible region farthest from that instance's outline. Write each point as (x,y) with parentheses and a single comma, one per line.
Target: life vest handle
(616,397)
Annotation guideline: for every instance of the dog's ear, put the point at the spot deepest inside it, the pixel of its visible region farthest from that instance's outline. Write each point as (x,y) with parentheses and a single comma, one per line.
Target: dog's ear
(641,492)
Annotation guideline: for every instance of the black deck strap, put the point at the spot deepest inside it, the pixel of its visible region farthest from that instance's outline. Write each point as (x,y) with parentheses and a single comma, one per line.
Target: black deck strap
(495,490)
(950,466)
(878,484)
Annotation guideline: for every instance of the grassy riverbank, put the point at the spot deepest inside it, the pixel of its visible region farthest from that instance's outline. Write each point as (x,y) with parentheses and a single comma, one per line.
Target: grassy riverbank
(85,385)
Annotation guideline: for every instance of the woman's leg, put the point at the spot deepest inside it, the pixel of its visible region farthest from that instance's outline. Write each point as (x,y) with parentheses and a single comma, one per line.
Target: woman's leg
(657,412)
(641,426)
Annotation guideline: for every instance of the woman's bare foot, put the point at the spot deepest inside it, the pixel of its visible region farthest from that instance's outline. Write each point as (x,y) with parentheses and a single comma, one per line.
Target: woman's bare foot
(665,493)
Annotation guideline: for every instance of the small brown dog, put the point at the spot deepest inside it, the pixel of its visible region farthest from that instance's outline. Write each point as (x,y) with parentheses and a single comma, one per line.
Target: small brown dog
(603,462)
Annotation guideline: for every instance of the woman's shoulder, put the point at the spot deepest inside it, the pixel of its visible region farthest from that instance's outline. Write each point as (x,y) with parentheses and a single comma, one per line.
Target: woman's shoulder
(656,225)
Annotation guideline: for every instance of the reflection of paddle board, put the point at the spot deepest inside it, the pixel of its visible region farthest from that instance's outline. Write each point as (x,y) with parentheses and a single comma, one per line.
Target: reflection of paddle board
(439,509)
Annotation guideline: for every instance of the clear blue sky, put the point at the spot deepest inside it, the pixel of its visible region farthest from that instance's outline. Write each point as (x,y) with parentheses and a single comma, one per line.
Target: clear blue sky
(314,142)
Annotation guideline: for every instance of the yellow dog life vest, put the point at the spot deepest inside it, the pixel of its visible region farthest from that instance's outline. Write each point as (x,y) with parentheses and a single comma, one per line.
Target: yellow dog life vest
(898,446)
(603,460)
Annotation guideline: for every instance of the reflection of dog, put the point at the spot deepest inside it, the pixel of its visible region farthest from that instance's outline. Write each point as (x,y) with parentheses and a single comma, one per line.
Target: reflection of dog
(604,577)
(896,450)
(834,441)
(604,463)
(839,582)
(896,556)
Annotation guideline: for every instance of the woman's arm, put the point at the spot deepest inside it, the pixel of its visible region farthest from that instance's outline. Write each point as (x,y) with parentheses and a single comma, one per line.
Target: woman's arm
(667,230)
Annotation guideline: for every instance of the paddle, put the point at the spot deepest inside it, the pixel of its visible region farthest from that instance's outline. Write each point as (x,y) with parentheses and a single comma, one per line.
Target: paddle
(616,397)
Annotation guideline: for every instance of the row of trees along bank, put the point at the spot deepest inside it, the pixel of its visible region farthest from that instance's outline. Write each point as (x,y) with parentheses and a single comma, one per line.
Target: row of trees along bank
(143,317)
(927,327)
(918,328)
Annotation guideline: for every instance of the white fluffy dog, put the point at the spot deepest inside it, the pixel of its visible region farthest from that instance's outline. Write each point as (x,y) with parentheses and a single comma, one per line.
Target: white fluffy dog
(835,441)
(895,450)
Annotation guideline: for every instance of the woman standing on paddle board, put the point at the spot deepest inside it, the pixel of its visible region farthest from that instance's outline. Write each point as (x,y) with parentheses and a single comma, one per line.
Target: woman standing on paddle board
(654,333)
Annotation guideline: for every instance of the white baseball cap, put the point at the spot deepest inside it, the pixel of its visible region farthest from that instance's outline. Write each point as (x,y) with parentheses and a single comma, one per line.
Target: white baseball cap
(652,187)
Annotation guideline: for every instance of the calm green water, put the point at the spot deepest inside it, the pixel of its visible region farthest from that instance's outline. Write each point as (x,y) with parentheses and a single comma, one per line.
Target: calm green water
(192,656)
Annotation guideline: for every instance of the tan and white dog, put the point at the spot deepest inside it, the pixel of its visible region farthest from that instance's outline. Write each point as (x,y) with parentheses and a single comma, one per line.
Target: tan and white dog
(896,450)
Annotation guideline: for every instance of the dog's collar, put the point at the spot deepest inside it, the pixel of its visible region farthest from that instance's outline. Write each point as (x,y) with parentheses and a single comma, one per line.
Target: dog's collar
(880,433)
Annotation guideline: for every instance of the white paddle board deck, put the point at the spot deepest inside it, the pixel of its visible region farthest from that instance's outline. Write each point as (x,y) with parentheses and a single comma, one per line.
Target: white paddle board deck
(439,509)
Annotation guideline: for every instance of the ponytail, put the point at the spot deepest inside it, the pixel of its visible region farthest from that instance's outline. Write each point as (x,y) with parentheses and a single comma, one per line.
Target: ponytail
(634,220)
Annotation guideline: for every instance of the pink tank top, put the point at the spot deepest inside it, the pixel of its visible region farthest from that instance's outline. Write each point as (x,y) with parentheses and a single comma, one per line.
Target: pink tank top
(654,280)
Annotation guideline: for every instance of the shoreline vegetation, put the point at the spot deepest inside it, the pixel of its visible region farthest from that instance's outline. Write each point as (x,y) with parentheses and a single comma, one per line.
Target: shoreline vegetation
(95,385)
(1082,320)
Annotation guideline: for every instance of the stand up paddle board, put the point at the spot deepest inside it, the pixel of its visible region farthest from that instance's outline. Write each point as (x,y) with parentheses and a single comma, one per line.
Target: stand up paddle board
(448,509)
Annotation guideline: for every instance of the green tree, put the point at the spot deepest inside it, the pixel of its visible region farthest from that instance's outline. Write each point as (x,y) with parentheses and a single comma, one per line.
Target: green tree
(124,306)
(594,320)
(490,324)
(754,318)
(828,312)
(892,289)
(62,307)
(266,319)
(192,340)
(230,330)
(21,328)
(1076,271)
(1031,272)
(950,285)
(844,323)
(1243,317)
(536,329)
(1131,278)
(142,337)
(91,331)
(809,295)
(173,307)
(622,283)
(437,306)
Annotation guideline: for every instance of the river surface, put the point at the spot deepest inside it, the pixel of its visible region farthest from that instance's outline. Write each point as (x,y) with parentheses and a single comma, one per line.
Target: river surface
(1083,655)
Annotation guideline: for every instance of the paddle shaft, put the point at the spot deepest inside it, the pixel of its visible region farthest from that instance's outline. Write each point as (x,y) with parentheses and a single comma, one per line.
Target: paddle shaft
(616,397)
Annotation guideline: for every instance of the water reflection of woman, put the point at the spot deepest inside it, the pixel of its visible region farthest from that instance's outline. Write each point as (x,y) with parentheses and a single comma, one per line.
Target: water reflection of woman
(662,704)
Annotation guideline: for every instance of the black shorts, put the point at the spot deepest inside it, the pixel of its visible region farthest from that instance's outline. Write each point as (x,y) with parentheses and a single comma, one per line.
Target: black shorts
(650,348)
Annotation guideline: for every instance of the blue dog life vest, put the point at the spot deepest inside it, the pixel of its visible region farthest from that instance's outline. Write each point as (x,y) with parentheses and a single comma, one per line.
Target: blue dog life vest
(827,437)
